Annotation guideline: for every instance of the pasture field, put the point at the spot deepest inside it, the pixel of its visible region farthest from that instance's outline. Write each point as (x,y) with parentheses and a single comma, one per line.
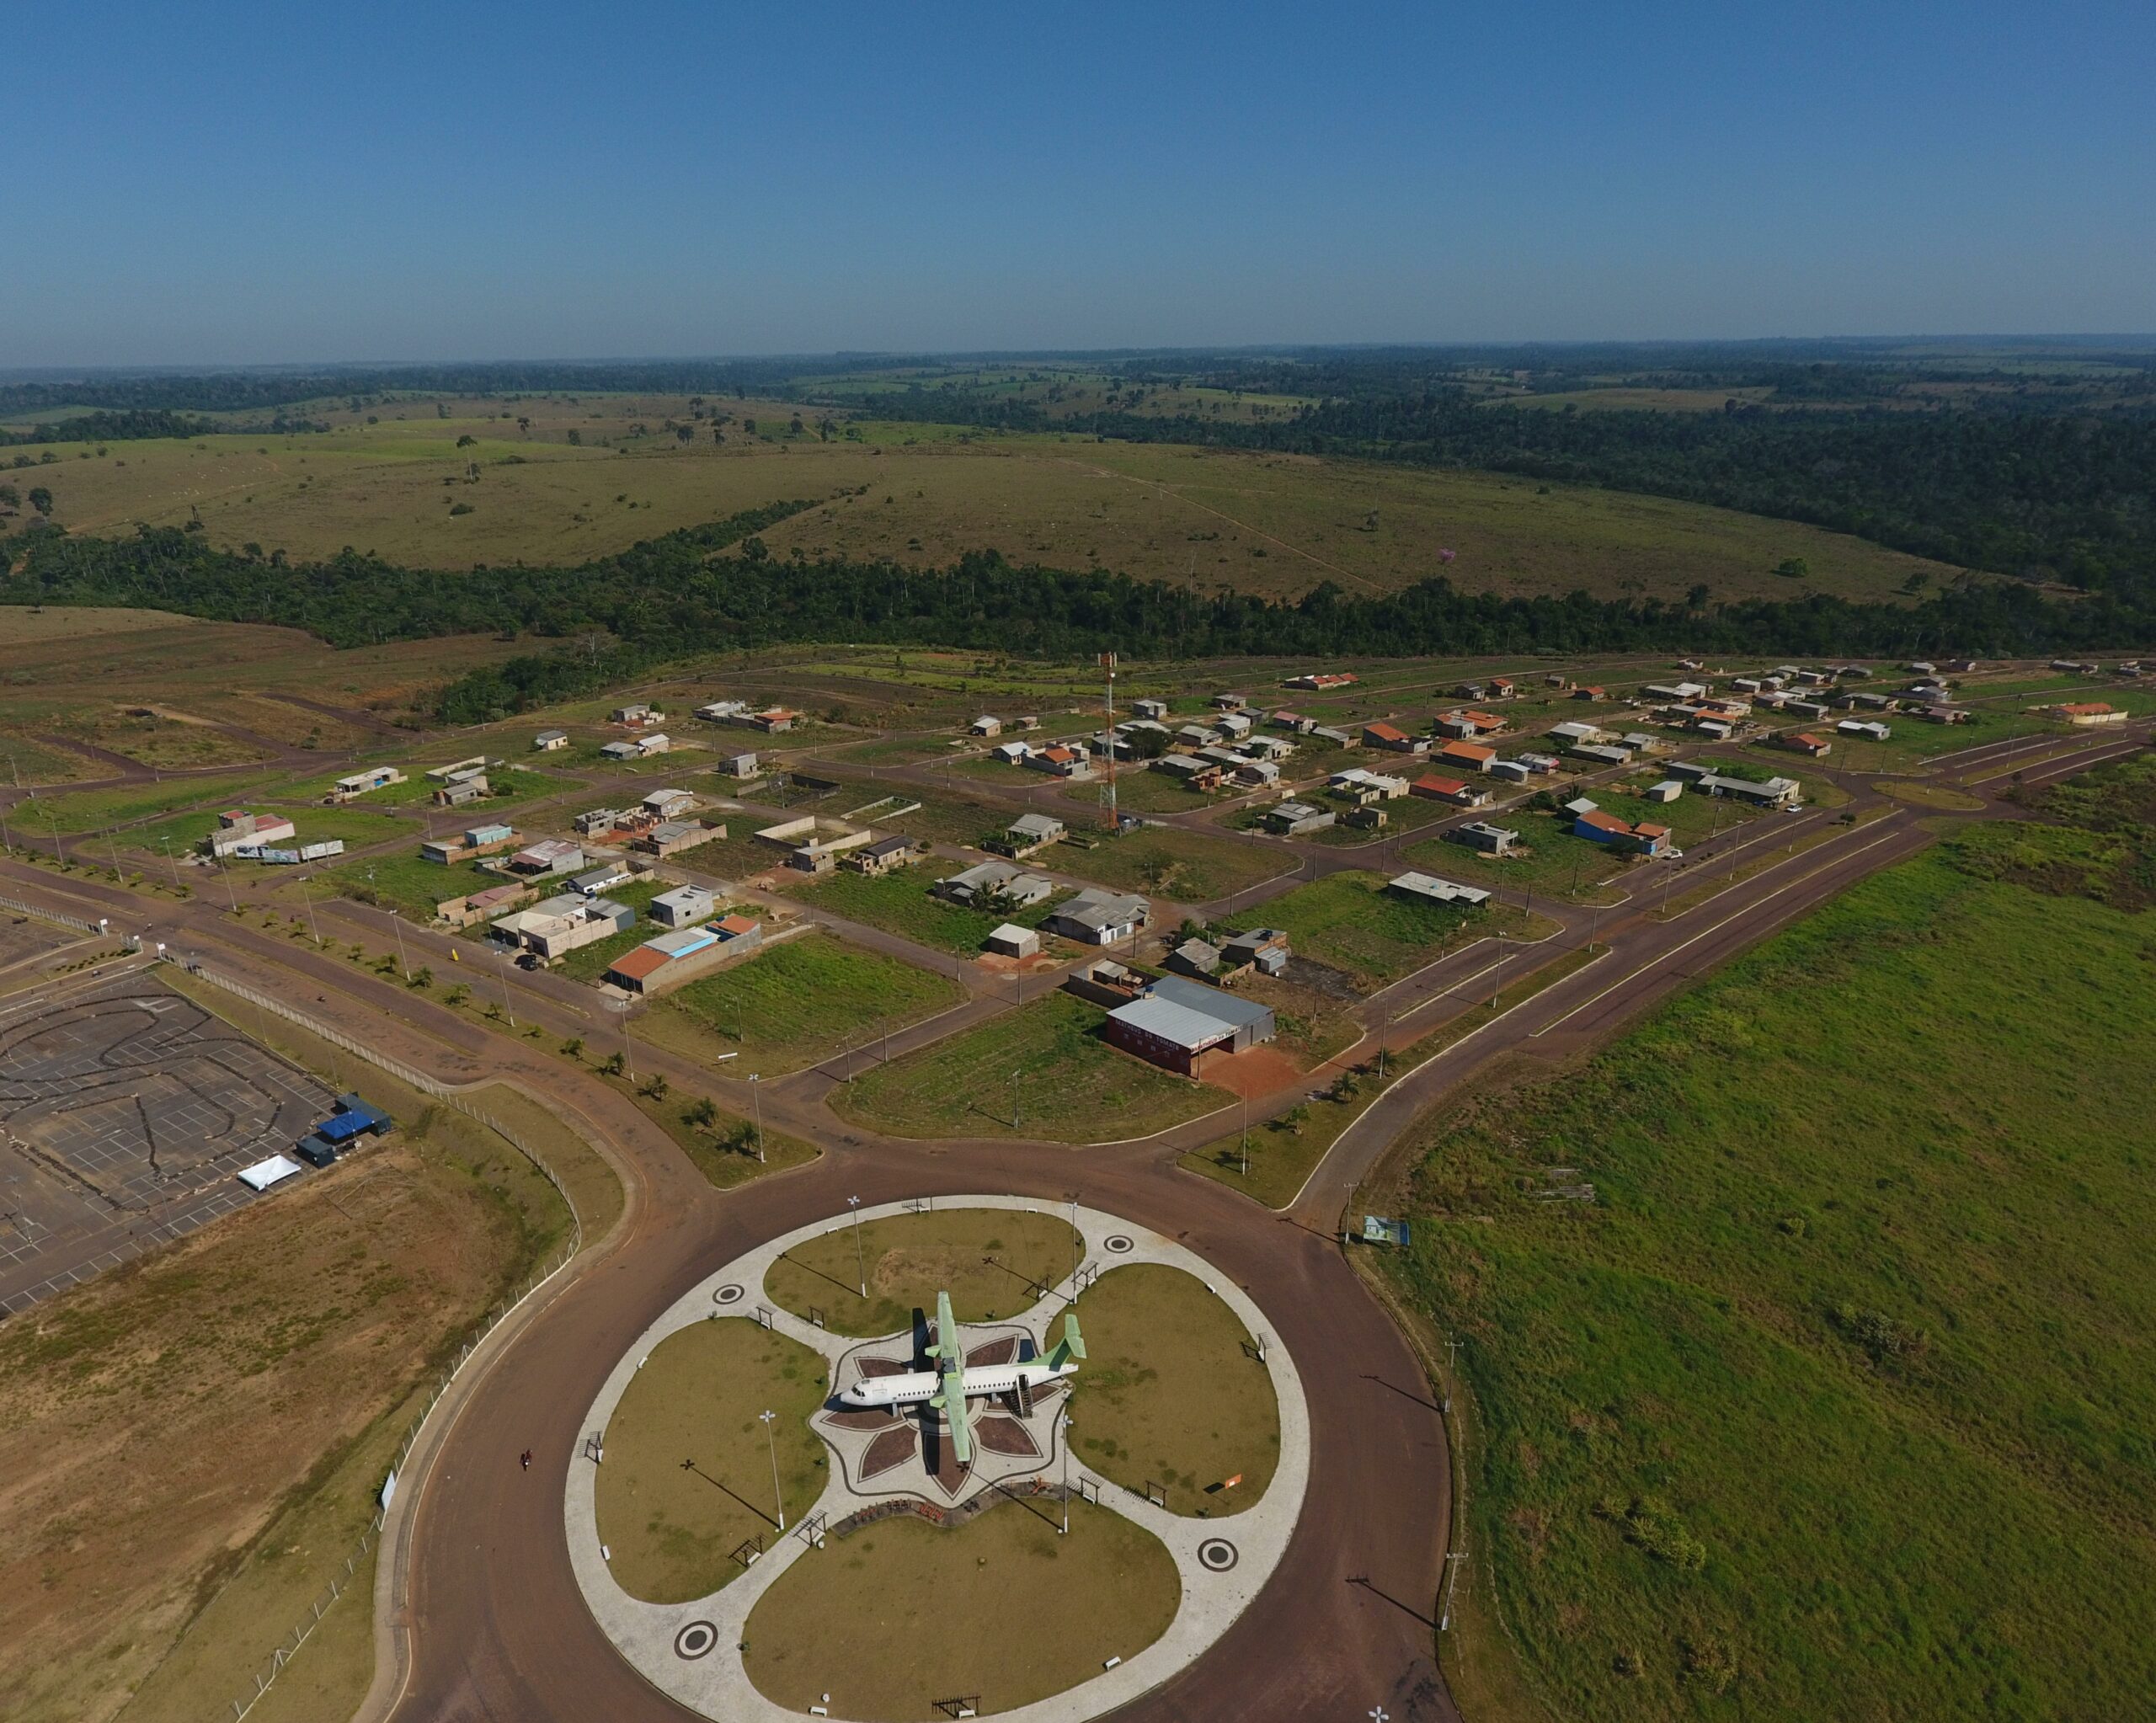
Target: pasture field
(1274,524)
(1003,1592)
(990,1260)
(796,1001)
(138,1537)
(673,1526)
(1804,1325)
(1171,1391)
(1072,1086)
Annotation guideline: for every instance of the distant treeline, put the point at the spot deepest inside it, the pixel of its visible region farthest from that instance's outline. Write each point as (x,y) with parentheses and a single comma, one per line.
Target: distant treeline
(716,589)
(135,424)
(2041,496)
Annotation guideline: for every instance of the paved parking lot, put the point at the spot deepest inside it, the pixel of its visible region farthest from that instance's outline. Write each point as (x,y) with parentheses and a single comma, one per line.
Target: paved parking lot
(125,1112)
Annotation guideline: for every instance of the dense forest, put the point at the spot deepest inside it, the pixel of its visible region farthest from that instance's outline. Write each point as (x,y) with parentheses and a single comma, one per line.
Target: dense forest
(135,424)
(715,588)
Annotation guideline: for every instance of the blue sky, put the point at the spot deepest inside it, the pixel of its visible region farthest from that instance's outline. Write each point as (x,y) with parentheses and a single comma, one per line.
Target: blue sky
(213,184)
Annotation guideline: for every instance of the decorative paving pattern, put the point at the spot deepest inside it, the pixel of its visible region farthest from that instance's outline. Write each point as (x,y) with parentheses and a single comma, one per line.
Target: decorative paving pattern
(883,1462)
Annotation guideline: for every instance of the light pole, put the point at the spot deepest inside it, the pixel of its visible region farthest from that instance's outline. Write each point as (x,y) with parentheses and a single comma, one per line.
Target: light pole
(1014,1100)
(501,961)
(306,897)
(397,926)
(1453,1557)
(755,1088)
(1063,1427)
(778,1496)
(860,1261)
(1245,1133)
(167,840)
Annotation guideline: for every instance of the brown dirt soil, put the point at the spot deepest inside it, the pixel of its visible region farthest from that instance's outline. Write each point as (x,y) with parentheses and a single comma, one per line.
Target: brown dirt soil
(1260,1071)
(156,1419)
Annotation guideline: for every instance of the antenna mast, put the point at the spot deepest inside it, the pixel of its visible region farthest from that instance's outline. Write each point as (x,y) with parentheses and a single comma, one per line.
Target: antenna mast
(1107,790)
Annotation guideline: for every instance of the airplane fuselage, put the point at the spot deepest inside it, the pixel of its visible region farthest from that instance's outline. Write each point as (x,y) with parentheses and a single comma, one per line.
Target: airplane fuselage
(916,1387)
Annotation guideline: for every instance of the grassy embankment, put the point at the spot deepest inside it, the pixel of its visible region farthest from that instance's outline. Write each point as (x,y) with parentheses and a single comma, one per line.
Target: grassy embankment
(1808,1327)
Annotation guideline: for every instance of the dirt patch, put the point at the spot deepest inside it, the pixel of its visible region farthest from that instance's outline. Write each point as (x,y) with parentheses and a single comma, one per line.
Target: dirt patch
(1260,1071)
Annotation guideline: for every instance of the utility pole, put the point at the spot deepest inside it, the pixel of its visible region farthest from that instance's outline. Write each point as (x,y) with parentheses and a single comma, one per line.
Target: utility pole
(1245,1133)
(860,1261)
(756,1091)
(306,897)
(1384,1023)
(397,927)
(501,958)
(1107,790)
(778,1495)
(1014,1100)
(174,866)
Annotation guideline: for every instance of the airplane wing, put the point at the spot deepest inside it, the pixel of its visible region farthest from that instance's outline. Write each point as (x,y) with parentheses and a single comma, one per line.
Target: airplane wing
(950,1356)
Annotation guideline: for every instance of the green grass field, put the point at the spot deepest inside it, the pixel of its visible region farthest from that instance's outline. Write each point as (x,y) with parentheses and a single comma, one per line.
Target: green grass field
(1553,863)
(1843,1379)
(94,810)
(358,827)
(1350,922)
(672,1528)
(1171,1393)
(1168,861)
(901,1615)
(898,902)
(799,999)
(1072,1087)
(989,1260)
(411,886)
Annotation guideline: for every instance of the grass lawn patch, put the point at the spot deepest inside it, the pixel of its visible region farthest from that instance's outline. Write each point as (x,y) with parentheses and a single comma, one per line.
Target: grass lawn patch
(898,902)
(990,1260)
(902,1613)
(1171,1391)
(1138,791)
(673,1528)
(1073,1087)
(1851,1341)
(1350,922)
(409,885)
(793,1002)
(1929,794)
(1166,861)
(1552,862)
(93,810)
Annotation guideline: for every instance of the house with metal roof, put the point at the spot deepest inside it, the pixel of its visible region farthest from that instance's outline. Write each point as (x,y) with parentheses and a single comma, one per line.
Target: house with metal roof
(1180,1024)
(1429,888)
(994,880)
(1098,916)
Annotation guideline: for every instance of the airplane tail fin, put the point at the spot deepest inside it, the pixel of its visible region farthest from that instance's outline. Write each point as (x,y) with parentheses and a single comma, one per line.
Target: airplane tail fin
(1071,1346)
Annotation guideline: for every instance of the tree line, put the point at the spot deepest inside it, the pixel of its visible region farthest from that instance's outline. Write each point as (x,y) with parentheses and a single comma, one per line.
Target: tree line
(716,588)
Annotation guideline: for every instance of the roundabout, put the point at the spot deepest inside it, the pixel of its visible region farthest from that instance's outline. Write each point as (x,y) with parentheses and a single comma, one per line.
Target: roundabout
(869,1561)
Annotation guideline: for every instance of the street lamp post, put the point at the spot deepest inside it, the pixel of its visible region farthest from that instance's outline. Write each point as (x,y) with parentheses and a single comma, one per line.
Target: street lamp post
(756,1090)
(306,897)
(860,1261)
(397,926)
(1062,1425)
(1014,1100)
(1453,1557)
(778,1496)
(501,960)
(174,866)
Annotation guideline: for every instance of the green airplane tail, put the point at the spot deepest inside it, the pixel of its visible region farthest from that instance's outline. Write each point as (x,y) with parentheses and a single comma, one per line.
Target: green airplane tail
(1071,1346)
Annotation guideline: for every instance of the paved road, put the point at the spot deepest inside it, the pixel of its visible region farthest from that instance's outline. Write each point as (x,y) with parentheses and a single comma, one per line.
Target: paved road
(489,1623)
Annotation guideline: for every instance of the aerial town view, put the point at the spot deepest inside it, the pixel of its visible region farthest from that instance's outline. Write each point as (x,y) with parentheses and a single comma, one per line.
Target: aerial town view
(1309,873)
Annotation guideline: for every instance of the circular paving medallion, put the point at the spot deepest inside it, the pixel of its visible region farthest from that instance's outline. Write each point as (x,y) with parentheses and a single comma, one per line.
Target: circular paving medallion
(1216,1555)
(728,1294)
(1119,1243)
(695,1640)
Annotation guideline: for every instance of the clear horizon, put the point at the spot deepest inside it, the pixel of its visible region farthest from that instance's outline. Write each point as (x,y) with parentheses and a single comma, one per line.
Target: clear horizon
(240,186)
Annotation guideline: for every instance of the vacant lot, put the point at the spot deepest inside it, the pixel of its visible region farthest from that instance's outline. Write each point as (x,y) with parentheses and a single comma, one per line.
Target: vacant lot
(990,1260)
(903,1613)
(1553,862)
(898,902)
(357,827)
(1172,1392)
(94,810)
(687,1478)
(797,1000)
(1165,861)
(1071,1086)
(1351,923)
(1849,1340)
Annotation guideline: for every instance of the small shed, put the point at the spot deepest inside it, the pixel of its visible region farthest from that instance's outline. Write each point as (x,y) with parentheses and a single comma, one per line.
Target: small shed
(1012,940)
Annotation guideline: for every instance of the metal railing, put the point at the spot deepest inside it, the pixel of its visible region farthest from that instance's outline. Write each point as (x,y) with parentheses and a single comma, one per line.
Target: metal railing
(341,1582)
